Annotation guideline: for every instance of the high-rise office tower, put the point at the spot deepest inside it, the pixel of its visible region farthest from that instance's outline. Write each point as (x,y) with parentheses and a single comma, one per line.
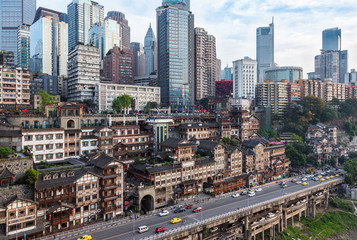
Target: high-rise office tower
(12,14)
(176,55)
(105,35)
(331,39)
(137,50)
(118,66)
(82,15)
(49,43)
(125,29)
(205,64)
(219,69)
(83,72)
(244,78)
(185,4)
(23,46)
(265,49)
(150,52)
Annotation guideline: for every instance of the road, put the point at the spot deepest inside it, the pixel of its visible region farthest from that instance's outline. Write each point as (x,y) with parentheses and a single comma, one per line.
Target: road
(210,209)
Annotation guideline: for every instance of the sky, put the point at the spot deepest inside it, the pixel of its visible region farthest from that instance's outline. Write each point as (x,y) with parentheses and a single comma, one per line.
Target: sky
(298,25)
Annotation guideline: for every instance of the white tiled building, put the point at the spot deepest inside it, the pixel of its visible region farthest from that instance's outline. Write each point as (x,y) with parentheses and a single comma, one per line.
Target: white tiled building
(44,144)
(105,93)
(244,78)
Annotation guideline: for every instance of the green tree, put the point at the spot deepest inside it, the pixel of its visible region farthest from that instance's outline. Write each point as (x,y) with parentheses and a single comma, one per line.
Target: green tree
(349,179)
(46,98)
(268,133)
(351,168)
(31,176)
(121,103)
(351,128)
(150,105)
(297,139)
(5,151)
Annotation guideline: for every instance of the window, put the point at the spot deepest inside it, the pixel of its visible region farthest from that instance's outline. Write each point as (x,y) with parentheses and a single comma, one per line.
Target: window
(80,199)
(92,206)
(59,136)
(28,138)
(94,196)
(49,146)
(87,187)
(49,156)
(78,209)
(85,144)
(94,185)
(59,145)
(39,147)
(39,137)
(93,143)
(49,136)
(39,157)
(85,208)
(59,155)
(87,198)
(80,188)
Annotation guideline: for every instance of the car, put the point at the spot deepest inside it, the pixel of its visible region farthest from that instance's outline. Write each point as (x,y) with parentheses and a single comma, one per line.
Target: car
(337,175)
(302,200)
(189,206)
(298,182)
(261,219)
(197,209)
(304,179)
(332,176)
(304,184)
(251,194)
(258,189)
(175,220)
(142,229)
(85,237)
(319,176)
(160,229)
(243,193)
(179,210)
(270,215)
(163,213)
(322,179)
(235,195)
(327,178)
(214,229)
(312,178)
(293,181)
(284,186)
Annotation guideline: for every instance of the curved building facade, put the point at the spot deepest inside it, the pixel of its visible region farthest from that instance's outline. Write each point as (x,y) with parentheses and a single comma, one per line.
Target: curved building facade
(279,73)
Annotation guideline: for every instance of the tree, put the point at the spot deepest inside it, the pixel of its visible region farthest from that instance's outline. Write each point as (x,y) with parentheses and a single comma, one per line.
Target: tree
(46,98)
(351,128)
(150,105)
(121,103)
(296,138)
(31,176)
(5,151)
(268,133)
(349,179)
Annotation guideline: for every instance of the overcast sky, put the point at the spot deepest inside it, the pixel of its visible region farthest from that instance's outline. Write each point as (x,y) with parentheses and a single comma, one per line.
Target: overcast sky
(298,25)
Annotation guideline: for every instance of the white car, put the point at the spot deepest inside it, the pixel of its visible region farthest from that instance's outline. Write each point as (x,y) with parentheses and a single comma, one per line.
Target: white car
(163,213)
(261,219)
(235,195)
(270,215)
(304,179)
(258,189)
(298,182)
(251,194)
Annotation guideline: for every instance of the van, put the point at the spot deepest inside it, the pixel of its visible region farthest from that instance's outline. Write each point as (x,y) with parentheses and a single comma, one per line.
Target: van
(142,229)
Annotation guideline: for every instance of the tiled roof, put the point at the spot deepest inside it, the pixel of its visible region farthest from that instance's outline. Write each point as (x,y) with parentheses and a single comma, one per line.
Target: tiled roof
(254,142)
(164,168)
(176,142)
(208,145)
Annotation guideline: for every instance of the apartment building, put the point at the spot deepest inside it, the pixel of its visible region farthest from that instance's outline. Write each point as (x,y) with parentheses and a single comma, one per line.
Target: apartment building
(105,93)
(333,90)
(15,86)
(44,144)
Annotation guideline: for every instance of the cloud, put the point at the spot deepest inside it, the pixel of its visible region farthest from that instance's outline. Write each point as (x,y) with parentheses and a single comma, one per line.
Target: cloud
(298,25)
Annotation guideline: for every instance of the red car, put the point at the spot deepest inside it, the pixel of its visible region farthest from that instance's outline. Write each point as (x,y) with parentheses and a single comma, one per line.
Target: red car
(160,229)
(197,209)
(189,206)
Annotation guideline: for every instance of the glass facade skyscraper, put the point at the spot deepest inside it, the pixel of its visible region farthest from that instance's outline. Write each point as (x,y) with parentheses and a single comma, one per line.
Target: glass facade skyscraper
(279,73)
(14,13)
(176,56)
(184,3)
(331,39)
(150,51)
(23,46)
(265,49)
(125,29)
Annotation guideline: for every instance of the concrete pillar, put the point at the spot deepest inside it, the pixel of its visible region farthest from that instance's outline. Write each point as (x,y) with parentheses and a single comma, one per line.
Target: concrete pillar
(327,195)
(271,232)
(248,234)
(285,220)
(313,208)
(292,221)
(263,234)
(246,226)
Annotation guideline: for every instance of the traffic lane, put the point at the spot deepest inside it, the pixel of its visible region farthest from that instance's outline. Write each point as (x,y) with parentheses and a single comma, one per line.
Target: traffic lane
(210,209)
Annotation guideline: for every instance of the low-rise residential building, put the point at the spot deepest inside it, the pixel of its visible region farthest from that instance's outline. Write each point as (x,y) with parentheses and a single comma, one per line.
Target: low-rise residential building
(44,144)
(106,93)
(15,86)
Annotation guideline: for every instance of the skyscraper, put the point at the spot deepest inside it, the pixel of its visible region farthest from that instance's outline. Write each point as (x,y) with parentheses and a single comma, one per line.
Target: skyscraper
(49,43)
(331,39)
(150,52)
(83,72)
(205,64)
(244,78)
(23,46)
(184,3)
(12,14)
(105,35)
(176,55)
(82,15)
(265,49)
(137,50)
(125,29)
